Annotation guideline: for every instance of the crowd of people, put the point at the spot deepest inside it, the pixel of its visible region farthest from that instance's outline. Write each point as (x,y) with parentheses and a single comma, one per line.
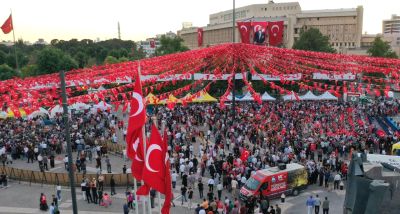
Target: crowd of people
(319,135)
(206,146)
(41,139)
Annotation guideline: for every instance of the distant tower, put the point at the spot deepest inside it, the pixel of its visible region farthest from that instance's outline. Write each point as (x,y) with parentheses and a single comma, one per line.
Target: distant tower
(119,32)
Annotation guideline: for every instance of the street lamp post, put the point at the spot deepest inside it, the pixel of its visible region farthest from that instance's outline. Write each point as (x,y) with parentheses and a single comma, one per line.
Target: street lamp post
(68,139)
(233,62)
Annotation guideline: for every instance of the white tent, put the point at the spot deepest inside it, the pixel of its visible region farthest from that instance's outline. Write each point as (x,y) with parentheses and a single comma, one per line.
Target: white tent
(291,96)
(57,109)
(40,112)
(229,97)
(247,97)
(309,96)
(79,106)
(327,96)
(102,106)
(267,97)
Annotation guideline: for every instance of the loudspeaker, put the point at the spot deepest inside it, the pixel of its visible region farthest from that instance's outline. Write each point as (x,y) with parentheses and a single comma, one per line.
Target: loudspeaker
(281,166)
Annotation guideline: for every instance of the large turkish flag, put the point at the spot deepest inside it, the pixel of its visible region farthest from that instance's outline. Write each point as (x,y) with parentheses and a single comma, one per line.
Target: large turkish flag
(154,169)
(137,119)
(244,30)
(199,37)
(275,33)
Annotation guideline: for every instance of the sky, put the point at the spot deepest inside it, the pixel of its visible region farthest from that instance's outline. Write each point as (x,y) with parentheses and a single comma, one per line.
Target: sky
(92,19)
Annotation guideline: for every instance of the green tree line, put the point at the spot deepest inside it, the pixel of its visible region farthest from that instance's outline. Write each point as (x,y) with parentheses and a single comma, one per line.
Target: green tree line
(59,54)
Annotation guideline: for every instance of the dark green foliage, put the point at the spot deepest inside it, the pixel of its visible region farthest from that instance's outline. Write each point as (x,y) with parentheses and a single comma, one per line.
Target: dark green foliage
(313,40)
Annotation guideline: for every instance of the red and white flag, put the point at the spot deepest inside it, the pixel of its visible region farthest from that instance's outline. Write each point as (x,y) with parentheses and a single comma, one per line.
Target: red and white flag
(134,138)
(7,27)
(244,30)
(275,33)
(259,32)
(154,169)
(199,37)
(167,183)
(152,43)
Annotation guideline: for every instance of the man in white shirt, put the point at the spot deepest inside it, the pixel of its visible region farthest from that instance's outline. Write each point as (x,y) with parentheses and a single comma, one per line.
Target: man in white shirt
(66,162)
(234,184)
(174,176)
(211,184)
(336,181)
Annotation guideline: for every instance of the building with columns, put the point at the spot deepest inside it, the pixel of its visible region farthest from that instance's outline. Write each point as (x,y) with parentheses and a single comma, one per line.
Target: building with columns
(342,26)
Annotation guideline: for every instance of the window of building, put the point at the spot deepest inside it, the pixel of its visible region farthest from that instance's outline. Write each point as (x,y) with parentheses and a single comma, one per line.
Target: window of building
(340,44)
(354,44)
(317,18)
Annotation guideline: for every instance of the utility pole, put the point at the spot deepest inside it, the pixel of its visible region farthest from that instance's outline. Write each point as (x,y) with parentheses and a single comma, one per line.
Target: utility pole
(119,32)
(68,138)
(233,62)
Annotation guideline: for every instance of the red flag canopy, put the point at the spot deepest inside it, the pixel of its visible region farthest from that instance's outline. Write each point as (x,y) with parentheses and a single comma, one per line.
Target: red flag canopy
(7,27)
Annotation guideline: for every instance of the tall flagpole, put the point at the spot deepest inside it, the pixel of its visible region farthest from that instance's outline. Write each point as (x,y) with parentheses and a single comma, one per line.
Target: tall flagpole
(144,154)
(162,131)
(15,44)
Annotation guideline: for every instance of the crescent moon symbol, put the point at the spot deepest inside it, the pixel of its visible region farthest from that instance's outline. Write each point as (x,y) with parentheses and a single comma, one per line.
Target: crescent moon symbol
(136,144)
(151,148)
(243,26)
(272,29)
(139,99)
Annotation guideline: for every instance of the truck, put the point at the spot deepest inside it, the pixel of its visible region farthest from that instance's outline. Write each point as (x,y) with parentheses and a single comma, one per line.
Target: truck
(272,182)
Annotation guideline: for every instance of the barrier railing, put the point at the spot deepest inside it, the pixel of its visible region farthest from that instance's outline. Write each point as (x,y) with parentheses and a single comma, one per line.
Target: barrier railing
(61,178)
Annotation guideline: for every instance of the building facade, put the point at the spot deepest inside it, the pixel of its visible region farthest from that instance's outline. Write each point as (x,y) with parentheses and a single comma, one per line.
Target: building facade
(342,26)
(392,25)
(391,33)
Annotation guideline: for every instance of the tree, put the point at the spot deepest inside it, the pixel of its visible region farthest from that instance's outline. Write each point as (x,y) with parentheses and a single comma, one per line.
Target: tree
(110,60)
(381,48)
(81,58)
(313,40)
(51,60)
(6,72)
(170,45)
(29,70)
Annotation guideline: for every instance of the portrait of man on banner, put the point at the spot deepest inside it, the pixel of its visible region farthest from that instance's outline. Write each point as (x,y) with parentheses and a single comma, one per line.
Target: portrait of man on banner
(259,32)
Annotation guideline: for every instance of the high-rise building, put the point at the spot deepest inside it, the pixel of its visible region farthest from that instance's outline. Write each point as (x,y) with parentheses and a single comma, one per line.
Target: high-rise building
(391,25)
(342,26)
(391,32)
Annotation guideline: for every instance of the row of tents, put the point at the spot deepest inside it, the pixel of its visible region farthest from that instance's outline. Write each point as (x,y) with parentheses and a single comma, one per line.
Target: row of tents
(151,99)
(206,97)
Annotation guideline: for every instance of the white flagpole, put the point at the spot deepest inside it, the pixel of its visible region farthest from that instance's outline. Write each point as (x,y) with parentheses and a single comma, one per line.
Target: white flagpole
(144,154)
(136,199)
(158,193)
(15,44)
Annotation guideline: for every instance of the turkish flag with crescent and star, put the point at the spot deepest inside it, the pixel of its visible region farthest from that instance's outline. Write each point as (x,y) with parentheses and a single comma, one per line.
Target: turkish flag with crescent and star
(199,37)
(167,182)
(134,138)
(259,32)
(7,27)
(275,33)
(154,164)
(244,30)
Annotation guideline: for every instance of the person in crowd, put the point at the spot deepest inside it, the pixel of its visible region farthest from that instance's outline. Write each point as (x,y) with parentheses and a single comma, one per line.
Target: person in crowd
(43,202)
(325,206)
